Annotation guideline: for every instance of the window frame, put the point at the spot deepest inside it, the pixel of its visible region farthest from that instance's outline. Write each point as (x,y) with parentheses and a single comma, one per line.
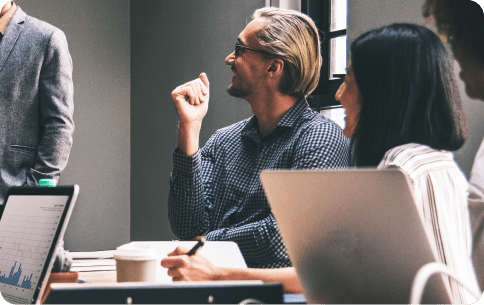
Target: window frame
(323,95)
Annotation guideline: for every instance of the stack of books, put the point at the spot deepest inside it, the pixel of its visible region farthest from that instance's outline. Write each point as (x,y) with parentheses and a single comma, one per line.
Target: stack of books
(93,261)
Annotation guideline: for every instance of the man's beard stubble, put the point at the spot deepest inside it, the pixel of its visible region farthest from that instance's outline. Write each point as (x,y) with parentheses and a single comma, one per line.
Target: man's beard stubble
(242,90)
(237,92)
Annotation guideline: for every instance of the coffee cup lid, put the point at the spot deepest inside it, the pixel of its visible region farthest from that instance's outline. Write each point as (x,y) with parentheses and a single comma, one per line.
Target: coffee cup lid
(125,253)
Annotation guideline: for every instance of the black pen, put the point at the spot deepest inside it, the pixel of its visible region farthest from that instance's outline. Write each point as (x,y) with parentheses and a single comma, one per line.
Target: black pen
(199,244)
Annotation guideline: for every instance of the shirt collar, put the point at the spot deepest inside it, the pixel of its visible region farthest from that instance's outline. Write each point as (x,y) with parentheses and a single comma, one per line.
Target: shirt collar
(251,129)
(5,19)
(294,113)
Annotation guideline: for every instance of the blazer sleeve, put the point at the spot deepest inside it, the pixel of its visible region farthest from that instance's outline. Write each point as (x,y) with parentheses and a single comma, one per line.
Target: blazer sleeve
(56,108)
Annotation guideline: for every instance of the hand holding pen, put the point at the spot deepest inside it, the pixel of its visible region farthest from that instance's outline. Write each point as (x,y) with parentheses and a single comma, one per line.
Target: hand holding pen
(186,265)
(198,245)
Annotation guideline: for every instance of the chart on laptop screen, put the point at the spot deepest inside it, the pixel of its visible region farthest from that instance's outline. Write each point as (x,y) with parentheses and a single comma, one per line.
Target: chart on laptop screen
(27,230)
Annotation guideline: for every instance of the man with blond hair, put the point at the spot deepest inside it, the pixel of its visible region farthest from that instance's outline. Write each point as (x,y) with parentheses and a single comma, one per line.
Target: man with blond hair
(216,190)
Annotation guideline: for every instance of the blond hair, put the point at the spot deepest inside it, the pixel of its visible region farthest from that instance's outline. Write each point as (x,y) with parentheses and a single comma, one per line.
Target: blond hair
(293,37)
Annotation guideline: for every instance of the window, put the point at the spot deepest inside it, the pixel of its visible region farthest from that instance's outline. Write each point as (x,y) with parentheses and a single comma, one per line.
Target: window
(330,17)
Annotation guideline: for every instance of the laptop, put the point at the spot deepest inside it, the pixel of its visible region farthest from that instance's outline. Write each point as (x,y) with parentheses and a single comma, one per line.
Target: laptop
(216,292)
(33,221)
(354,236)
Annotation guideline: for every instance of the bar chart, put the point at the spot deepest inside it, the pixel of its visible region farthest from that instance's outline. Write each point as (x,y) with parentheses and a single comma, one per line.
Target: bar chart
(28,228)
(13,278)
(24,244)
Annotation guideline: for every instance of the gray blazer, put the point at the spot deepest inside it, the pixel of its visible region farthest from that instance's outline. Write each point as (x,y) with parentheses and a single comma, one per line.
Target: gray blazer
(36,102)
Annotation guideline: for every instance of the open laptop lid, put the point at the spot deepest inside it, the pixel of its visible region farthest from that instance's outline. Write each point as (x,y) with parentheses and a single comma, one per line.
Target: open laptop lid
(354,236)
(33,221)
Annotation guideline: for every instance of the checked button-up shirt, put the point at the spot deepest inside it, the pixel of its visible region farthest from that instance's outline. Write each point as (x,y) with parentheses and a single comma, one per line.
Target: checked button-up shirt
(218,190)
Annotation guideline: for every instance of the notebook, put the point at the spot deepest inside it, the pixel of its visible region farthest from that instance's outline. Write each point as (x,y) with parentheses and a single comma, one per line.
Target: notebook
(354,236)
(33,221)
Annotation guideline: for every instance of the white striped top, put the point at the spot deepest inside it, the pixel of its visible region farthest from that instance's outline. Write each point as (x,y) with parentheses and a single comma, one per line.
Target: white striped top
(440,192)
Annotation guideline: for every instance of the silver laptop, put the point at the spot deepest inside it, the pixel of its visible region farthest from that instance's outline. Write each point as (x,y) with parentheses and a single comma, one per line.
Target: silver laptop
(354,236)
(32,224)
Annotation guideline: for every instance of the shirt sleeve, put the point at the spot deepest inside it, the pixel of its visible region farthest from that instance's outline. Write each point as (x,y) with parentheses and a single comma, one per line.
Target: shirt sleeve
(56,104)
(190,193)
(260,243)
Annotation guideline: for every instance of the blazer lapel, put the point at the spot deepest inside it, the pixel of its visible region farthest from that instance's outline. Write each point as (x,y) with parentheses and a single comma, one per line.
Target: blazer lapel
(11,35)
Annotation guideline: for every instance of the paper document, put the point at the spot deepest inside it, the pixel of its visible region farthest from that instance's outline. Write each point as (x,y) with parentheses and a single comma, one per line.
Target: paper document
(93,261)
(92,254)
(93,268)
(93,265)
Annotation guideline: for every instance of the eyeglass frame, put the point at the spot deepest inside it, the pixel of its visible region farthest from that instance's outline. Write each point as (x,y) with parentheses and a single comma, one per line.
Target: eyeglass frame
(238,46)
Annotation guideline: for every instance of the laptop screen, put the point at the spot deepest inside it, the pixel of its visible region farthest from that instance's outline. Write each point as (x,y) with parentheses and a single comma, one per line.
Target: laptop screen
(30,226)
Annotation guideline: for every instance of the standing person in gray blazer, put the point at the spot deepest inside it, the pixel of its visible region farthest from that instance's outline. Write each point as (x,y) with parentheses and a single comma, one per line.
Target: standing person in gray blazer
(36,99)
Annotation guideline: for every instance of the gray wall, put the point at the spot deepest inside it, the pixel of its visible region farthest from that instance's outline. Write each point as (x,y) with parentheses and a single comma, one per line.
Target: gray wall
(172,42)
(364,15)
(98,36)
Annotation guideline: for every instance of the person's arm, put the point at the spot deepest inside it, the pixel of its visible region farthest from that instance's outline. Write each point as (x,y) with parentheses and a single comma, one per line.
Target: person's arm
(187,198)
(56,103)
(190,193)
(197,268)
(259,241)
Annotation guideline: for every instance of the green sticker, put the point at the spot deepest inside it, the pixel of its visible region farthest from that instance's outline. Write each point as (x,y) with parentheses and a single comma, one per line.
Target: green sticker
(48,182)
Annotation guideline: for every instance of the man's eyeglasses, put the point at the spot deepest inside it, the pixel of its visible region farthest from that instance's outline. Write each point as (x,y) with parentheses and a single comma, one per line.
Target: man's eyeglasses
(238,47)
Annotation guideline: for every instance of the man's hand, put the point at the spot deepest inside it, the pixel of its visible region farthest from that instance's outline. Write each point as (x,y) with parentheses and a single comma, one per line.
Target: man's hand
(182,267)
(191,100)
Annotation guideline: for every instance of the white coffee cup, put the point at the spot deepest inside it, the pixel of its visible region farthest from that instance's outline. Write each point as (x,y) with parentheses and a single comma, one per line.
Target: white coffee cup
(135,264)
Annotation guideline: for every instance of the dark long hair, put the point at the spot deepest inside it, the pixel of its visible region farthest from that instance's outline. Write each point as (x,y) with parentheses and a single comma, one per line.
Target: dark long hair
(409,95)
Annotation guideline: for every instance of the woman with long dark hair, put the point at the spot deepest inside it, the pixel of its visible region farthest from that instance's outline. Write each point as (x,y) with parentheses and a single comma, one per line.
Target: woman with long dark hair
(403,110)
